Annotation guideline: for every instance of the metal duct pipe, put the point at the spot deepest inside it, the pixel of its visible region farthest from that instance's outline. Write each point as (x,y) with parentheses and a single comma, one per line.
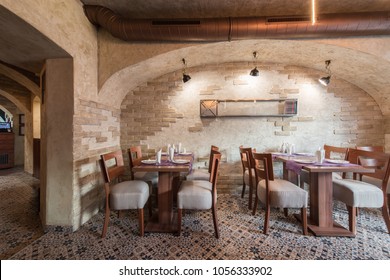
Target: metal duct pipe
(227,29)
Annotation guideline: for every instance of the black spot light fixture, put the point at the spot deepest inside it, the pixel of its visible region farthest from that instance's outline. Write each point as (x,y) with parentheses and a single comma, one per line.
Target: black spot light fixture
(254,72)
(186,77)
(326,80)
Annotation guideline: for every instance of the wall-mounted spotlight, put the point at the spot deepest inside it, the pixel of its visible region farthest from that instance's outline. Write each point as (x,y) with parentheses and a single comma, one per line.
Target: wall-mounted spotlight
(186,77)
(254,71)
(326,80)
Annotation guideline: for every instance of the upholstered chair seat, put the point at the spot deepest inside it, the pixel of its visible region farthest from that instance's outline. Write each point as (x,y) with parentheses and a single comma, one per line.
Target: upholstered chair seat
(356,193)
(129,195)
(195,195)
(283,194)
(376,182)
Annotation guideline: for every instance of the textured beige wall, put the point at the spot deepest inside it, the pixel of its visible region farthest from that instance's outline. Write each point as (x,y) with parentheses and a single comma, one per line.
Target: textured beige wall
(165,110)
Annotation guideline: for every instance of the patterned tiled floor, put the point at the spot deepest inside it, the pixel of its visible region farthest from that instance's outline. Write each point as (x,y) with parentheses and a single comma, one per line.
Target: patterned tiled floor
(241,237)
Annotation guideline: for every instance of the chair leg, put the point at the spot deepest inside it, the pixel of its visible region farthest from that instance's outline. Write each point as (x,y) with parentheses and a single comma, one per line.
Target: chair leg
(388,202)
(250,196)
(285,210)
(385,213)
(120,214)
(301,182)
(141,221)
(266,219)
(215,220)
(179,218)
(255,206)
(304,220)
(243,187)
(106,220)
(150,206)
(352,219)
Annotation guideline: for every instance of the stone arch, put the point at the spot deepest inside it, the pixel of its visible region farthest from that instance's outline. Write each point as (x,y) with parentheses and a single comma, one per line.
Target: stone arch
(367,71)
(21,79)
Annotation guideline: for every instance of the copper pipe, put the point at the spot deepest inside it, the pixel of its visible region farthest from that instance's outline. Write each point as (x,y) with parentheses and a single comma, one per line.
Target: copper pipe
(241,28)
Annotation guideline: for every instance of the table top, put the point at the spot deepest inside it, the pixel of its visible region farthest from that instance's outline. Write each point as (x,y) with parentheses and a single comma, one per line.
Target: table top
(166,166)
(297,161)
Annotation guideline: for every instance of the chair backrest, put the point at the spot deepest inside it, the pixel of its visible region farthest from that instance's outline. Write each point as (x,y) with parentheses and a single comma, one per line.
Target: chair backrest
(135,157)
(377,160)
(112,165)
(247,160)
(340,152)
(263,165)
(212,151)
(371,148)
(214,170)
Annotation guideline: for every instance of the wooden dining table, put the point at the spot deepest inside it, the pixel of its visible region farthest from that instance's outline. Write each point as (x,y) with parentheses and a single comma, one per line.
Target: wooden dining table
(320,222)
(168,178)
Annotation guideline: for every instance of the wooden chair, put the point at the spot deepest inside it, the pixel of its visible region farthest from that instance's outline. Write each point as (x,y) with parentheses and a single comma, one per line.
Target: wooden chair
(248,173)
(369,179)
(200,194)
(121,195)
(370,194)
(151,178)
(371,148)
(274,192)
(203,174)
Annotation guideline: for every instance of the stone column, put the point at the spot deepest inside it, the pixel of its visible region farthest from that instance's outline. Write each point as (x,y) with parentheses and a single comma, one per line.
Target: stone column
(57,143)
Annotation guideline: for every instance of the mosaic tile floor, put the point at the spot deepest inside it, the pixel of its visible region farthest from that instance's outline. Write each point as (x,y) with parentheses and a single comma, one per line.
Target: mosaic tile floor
(241,236)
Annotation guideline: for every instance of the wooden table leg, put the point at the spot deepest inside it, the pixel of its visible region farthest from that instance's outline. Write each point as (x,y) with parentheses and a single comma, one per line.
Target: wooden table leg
(165,220)
(321,221)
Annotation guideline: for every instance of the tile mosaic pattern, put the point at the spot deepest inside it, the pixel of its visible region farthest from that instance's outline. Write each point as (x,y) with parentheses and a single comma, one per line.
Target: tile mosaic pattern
(241,237)
(19,214)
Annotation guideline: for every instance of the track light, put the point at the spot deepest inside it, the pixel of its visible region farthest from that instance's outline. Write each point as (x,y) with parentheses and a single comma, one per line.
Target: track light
(326,80)
(186,77)
(254,72)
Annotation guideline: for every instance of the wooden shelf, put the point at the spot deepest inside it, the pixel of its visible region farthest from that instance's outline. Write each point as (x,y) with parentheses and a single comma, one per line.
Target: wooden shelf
(213,108)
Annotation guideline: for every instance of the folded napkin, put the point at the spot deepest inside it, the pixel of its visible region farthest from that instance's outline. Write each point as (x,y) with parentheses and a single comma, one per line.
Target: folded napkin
(171,153)
(158,156)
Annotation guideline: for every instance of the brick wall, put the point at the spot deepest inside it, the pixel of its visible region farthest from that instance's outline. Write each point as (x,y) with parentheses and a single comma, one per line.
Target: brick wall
(96,131)
(166,111)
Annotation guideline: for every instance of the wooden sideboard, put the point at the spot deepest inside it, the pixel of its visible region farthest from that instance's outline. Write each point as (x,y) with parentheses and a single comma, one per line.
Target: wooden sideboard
(7,149)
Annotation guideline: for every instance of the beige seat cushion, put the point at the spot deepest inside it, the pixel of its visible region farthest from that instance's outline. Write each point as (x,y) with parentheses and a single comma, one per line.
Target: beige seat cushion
(195,195)
(147,177)
(283,194)
(246,176)
(199,174)
(129,195)
(357,194)
(376,182)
